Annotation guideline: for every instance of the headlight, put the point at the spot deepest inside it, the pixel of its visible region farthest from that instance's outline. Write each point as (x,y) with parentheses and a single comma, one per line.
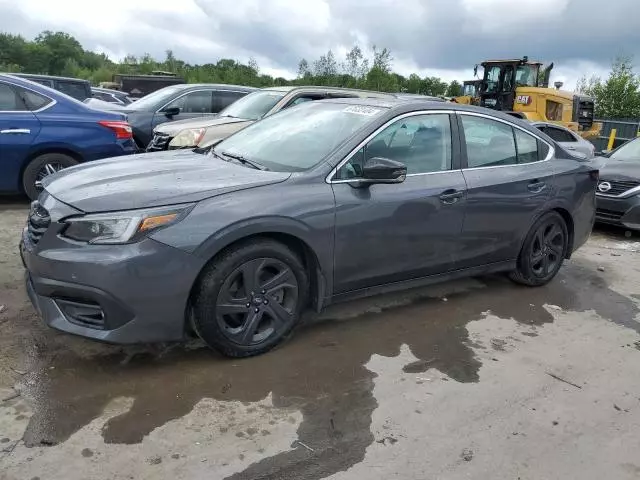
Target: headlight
(187,138)
(122,227)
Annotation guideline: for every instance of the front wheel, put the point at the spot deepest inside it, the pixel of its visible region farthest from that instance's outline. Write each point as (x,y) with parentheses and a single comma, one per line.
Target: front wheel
(543,251)
(41,167)
(250,298)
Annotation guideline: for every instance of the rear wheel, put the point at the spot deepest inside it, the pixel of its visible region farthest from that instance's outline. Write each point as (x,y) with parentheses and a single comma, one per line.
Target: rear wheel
(250,298)
(41,167)
(543,251)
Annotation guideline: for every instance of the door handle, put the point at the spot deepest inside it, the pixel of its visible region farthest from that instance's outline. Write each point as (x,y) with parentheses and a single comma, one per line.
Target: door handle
(449,197)
(570,148)
(16,131)
(536,186)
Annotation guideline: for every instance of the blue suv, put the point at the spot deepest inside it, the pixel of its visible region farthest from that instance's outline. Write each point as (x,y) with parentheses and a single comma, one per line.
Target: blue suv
(43,131)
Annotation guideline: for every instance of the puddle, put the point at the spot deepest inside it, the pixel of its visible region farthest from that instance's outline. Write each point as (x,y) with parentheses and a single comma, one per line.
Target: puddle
(320,372)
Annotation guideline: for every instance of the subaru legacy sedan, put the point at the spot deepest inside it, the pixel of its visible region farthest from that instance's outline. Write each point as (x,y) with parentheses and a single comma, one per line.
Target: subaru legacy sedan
(321,202)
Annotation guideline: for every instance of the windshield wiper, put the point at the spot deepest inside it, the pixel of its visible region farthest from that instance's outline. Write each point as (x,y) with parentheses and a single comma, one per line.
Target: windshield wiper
(244,161)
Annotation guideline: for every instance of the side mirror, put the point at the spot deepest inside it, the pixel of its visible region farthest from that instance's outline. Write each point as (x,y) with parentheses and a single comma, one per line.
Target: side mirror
(381,170)
(171,111)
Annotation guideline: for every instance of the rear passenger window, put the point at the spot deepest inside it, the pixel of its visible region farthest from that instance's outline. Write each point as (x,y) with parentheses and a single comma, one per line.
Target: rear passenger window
(421,142)
(489,143)
(527,146)
(9,100)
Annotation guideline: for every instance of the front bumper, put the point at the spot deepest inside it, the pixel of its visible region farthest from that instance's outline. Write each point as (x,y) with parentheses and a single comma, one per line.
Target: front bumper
(123,294)
(623,212)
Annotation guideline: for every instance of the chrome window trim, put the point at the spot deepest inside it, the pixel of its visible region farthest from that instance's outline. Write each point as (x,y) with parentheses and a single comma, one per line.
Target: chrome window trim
(335,169)
(42,109)
(212,90)
(628,193)
(550,154)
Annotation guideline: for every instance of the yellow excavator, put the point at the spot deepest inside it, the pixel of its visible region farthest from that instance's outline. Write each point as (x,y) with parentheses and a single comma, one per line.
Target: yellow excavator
(470,92)
(520,87)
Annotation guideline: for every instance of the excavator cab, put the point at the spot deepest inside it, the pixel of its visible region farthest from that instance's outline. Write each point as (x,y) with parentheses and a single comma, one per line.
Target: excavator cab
(502,78)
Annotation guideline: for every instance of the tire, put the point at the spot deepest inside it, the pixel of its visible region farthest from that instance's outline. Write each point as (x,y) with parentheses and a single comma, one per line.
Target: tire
(37,169)
(543,251)
(250,298)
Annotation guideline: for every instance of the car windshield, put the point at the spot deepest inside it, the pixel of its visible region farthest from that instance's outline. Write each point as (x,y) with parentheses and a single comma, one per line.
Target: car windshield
(253,106)
(298,138)
(629,152)
(149,102)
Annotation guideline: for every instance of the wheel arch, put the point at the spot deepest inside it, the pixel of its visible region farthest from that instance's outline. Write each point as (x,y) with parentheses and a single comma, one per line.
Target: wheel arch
(44,150)
(317,277)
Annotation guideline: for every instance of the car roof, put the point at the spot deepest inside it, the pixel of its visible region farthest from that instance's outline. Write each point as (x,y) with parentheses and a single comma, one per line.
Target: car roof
(221,86)
(48,77)
(108,90)
(327,89)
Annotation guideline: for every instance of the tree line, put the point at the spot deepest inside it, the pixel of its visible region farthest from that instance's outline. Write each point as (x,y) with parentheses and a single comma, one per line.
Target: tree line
(58,53)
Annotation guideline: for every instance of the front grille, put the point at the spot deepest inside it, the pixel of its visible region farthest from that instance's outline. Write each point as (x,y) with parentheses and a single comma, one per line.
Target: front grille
(618,187)
(38,222)
(160,141)
(605,214)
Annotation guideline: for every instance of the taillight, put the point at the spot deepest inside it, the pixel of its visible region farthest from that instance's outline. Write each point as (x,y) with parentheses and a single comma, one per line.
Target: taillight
(121,129)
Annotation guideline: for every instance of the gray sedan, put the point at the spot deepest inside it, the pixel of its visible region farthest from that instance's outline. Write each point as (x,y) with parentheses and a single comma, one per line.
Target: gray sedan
(567,139)
(321,202)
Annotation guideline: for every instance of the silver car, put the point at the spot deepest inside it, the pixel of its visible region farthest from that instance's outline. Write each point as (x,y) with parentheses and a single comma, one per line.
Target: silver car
(568,139)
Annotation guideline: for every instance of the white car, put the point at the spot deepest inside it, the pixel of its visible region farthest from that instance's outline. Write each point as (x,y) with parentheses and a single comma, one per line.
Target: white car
(568,139)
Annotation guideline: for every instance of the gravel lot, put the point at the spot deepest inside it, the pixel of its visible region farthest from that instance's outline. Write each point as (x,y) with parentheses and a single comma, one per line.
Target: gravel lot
(470,379)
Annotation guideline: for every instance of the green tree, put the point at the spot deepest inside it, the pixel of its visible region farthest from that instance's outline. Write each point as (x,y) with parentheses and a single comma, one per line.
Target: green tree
(454,89)
(62,47)
(619,95)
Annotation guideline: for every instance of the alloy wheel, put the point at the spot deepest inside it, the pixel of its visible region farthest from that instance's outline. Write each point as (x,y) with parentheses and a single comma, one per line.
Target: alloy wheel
(547,249)
(46,170)
(257,300)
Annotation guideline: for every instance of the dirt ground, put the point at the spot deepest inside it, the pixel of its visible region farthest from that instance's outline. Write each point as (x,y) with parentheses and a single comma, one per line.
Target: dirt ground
(471,379)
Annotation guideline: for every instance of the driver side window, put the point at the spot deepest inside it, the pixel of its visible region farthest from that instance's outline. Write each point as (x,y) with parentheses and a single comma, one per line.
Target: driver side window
(421,142)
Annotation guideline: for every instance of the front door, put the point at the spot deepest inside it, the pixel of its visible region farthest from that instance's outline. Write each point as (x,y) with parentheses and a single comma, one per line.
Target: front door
(18,129)
(192,105)
(389,233)
(508,184)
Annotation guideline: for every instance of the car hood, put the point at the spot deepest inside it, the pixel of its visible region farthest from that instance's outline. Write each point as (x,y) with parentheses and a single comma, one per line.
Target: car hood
(152,179)
(172,128)
(620,170)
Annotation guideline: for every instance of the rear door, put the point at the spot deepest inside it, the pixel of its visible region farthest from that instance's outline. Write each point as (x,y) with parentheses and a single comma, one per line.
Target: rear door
(508,182)
(19,127)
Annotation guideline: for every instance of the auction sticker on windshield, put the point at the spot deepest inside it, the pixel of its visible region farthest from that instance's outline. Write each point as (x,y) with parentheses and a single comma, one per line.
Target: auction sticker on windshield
(362,110)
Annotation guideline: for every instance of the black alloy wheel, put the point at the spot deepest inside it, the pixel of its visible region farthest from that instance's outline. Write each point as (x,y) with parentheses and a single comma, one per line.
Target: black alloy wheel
(259,299)
(250,298)
(547,249)
(543,251)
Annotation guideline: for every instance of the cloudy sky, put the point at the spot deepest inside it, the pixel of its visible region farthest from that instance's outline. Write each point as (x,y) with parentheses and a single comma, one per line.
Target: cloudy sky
(429,37)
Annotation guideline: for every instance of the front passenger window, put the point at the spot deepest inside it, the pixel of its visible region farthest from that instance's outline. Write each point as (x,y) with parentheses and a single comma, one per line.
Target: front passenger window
(421,142)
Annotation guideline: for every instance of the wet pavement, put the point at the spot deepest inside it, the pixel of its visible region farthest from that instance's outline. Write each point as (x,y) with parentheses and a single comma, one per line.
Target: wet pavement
(422,384)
